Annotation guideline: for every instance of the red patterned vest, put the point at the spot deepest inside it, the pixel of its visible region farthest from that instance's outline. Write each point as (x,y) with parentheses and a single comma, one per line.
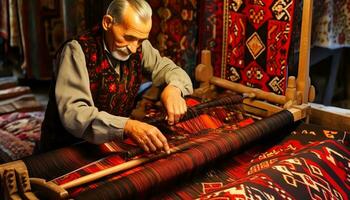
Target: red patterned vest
(110,94)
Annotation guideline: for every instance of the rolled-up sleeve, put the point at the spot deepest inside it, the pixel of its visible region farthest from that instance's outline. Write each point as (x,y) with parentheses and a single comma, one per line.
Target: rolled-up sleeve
(75,104)
(165,71)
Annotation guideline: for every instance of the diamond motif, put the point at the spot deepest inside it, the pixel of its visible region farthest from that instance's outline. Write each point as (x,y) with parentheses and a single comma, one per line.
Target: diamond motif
(316,170)
(255,45)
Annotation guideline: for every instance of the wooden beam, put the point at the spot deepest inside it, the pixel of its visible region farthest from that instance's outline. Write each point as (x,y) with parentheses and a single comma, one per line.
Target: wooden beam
(259,94)
(303,80)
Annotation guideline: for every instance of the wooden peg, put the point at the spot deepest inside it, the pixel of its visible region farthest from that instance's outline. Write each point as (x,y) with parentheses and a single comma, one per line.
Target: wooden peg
(203,74)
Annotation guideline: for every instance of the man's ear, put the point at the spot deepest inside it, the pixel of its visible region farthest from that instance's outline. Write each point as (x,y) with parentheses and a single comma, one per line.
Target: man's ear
(107,22)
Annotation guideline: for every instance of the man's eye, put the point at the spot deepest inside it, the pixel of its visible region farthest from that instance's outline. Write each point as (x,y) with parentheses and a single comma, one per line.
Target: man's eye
(130,38)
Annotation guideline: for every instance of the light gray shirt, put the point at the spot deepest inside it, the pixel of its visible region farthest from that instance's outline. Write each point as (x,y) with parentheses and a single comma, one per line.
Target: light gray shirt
(76,108)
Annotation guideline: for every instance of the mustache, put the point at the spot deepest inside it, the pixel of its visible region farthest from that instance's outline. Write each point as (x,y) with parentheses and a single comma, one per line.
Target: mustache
(124,50)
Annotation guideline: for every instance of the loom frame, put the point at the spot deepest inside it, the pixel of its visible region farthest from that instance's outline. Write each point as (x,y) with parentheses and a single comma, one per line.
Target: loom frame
(298,95)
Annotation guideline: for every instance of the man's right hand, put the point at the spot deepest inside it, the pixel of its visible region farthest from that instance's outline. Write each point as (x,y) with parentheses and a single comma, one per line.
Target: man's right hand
(148,137)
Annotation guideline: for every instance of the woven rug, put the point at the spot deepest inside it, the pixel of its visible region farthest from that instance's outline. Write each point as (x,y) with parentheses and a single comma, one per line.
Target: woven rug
(18,132)
(13,92)
(192,130)
(250,40)
(174,31)
(7,82)
(306,161)
(310,162)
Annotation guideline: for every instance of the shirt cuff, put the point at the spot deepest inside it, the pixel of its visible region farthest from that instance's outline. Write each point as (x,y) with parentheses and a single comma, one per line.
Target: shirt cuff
(184,91)
(117,127)
(109,127)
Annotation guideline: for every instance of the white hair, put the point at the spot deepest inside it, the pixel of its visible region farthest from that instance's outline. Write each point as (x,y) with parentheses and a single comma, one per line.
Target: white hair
(116,9)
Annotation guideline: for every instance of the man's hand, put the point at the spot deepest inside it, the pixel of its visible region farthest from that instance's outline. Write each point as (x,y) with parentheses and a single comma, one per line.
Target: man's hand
(174,104)
(148,137)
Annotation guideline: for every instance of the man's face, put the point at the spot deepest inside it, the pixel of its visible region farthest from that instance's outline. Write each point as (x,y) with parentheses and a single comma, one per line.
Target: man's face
(124,38)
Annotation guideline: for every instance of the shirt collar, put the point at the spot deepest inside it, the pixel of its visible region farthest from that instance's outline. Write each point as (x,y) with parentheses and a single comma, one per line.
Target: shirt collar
(105,46)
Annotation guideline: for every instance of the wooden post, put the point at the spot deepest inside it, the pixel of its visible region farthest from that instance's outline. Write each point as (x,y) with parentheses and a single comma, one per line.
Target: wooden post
(303,81)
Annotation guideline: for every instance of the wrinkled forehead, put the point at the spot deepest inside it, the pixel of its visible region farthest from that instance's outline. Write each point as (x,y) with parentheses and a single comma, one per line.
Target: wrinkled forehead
(134,25)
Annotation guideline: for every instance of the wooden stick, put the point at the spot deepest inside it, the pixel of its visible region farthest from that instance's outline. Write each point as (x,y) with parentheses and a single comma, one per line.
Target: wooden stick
(105,172)
(259,94)
(127,165)
(266,107)
(204,75)
(303,82)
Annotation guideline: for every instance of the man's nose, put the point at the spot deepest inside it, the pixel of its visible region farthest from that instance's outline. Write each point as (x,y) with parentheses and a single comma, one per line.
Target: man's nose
(133,46)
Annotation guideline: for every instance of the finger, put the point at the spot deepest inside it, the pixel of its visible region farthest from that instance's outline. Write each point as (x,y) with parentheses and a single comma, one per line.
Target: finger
(177,117)
(150,145)
(171,116)
(143,145)
(179,111)
(184,107)
(164,141)
(183,111)
(166,148)
(159,145)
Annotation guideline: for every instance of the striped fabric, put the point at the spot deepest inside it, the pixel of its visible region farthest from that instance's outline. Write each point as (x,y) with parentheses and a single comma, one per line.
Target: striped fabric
(205,149)
(317,171)
(273,156)
(238,175)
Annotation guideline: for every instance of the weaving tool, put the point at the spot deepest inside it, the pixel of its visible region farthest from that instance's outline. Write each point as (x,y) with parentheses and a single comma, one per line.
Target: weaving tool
(177,165)
(218,144)
(72,155)
(244,135)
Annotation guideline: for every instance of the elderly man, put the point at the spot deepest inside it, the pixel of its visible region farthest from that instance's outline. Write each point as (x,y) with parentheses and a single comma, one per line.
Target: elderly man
(98,76)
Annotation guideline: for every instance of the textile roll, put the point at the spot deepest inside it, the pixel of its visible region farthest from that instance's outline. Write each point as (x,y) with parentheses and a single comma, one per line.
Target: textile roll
(61,161)
(218,139)
(52,164)
(301,158)
(157,174)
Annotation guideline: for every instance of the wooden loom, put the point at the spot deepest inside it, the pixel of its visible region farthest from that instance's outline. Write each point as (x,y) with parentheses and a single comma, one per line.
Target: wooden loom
(299,90)
(18,185)
(298,94)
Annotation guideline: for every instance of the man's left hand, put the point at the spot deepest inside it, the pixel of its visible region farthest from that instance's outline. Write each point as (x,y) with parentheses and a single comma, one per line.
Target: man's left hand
(174,104)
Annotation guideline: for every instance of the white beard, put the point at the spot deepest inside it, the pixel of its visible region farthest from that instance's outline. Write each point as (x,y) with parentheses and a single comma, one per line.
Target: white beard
(121,54)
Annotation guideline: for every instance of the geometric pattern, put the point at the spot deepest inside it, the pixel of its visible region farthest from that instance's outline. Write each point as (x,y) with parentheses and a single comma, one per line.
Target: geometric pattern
(280,9)
(235,5)
(309,163)
(234,75)
(294,174)
(257,12)
(210,36)
(276,84)
(299,162)
(255,38)
(174,31)
(254,76)
(255,45)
